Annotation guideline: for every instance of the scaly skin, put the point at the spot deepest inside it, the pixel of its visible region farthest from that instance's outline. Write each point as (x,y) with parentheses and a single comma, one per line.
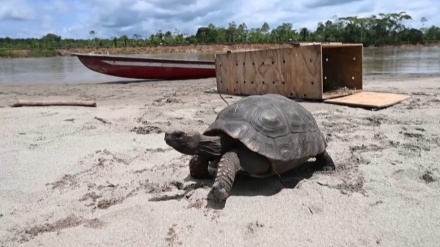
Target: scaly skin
(198,167)
(228,167)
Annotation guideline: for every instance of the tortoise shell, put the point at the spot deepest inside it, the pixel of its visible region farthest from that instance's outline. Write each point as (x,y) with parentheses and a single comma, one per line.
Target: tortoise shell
(271,125)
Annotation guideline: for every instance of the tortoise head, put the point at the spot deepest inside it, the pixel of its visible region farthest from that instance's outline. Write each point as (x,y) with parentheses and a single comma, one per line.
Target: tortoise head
(186,142)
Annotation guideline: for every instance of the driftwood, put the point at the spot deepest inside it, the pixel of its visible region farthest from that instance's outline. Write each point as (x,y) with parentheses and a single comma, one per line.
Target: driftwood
(54,103)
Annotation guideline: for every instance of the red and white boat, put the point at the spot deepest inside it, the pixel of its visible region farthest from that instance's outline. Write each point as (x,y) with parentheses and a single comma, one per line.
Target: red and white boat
(147,68)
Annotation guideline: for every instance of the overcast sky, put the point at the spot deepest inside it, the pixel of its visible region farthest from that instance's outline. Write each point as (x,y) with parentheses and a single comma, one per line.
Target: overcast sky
(76,18)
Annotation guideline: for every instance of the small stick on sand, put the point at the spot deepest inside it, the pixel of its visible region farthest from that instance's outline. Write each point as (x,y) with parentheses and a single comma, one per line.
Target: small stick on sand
(21,103)
(198,102)
(102,120)
(221,96)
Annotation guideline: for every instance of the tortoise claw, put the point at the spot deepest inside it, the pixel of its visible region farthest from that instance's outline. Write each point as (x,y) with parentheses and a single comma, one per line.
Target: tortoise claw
(219,193)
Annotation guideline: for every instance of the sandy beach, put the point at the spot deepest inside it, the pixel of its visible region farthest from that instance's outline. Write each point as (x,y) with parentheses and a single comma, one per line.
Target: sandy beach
(103,176)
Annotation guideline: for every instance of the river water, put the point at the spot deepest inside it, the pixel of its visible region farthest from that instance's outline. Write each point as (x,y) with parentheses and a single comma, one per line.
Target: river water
(377,61)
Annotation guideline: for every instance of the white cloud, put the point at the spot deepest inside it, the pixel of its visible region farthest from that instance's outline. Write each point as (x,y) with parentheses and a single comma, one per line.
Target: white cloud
(75,18)
(17,10)
(325,3)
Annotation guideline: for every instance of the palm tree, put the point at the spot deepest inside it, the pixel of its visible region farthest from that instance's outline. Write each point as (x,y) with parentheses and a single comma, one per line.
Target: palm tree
(93,33)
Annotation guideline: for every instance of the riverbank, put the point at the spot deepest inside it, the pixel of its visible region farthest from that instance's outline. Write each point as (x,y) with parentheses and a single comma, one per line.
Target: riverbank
(213,48)
(143,50)
(79,176)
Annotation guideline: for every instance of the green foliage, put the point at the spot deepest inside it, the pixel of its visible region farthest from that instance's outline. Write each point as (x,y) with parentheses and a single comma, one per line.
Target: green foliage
(376,30)
(7,53)
(12,53)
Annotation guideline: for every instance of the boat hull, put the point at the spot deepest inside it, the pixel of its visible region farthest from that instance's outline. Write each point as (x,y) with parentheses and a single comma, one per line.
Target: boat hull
(148,68)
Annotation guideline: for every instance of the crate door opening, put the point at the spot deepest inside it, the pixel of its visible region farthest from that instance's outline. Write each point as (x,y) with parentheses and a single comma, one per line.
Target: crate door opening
(342,70)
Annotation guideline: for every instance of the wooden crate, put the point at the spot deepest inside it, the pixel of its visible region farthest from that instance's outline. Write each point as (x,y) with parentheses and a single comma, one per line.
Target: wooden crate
(305,71)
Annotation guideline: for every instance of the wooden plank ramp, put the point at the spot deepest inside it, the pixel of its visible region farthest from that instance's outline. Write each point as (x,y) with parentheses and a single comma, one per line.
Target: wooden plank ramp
(369,99)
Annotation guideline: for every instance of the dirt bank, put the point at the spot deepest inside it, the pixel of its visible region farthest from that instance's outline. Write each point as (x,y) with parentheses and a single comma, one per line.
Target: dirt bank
(145,50)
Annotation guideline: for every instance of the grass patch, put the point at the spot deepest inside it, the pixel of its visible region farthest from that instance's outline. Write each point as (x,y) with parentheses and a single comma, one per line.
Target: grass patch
(13,53)
(6,53)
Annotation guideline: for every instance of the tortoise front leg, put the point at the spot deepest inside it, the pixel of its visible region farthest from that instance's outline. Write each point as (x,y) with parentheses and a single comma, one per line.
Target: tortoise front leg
(227,168)
(198,167)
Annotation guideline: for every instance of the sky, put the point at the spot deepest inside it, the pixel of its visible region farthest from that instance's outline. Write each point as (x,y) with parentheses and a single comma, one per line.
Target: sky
(113,18)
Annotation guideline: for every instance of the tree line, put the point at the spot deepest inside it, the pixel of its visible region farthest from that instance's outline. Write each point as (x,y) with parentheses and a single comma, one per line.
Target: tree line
(375,30)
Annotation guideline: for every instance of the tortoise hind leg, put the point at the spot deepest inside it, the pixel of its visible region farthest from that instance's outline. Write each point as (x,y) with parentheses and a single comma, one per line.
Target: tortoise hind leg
(227,168)
(325,162)
(212,167)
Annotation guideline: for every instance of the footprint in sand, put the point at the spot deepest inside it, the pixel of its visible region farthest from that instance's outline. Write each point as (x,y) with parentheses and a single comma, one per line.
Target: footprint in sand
(70,221)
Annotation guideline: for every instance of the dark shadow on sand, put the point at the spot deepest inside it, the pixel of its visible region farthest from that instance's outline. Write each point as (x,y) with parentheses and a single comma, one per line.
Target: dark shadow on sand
(248,186)
(122,82)
(229,96)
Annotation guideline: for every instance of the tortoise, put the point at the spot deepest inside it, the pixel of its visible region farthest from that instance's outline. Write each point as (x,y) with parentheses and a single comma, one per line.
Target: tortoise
(257,136)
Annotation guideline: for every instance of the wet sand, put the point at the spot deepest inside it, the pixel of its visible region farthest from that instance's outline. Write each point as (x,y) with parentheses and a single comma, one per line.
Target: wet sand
(77,176)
